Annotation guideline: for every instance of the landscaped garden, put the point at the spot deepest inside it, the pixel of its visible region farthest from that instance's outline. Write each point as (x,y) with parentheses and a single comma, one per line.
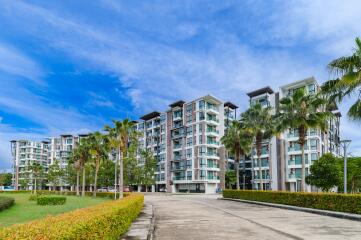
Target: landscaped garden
(24,210)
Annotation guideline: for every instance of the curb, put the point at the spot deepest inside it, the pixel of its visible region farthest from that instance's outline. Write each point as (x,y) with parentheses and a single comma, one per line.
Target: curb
(151,225)
(349,216)
(143,227)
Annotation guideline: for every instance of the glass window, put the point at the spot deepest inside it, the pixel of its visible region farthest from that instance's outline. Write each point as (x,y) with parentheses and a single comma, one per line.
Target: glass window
(189,108)
(201,104)
(189,141)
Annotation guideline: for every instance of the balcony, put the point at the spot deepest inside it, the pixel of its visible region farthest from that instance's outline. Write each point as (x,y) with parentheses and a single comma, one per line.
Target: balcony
(178,168)
(178,178)
(177,146)
(213,177)
(213,143)
(212,132)
(177,157)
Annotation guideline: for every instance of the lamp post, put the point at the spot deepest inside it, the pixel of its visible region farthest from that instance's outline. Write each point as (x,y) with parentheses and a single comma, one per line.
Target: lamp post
(345,144)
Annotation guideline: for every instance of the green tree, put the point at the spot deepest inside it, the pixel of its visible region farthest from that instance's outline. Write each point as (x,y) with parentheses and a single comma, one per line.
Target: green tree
(353,174)
(325,173)
(259,121)
(303,112)
(36,173)
(147,171)
(121,134)
(79,157)
(230,179)
(5,179)
(106,173)
(55,174)
(348,69)
(237,141)
(98,151)
(24,183)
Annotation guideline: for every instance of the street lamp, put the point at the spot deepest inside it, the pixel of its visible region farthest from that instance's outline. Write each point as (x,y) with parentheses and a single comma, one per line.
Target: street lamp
(345,144)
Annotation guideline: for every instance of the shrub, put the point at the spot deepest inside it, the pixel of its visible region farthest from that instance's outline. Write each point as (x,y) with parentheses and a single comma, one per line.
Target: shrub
(89,194)
(349,203)
(33,197)
(50,200)
(108,220)
(6,202)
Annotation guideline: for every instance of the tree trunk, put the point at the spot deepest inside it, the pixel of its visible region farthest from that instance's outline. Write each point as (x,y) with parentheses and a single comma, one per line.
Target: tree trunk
(237,170)
(303,170)
(83,187)
(244,172)
(120,174)
(260,172)
(96,179)
(77,181)
(35,187)
(252,167)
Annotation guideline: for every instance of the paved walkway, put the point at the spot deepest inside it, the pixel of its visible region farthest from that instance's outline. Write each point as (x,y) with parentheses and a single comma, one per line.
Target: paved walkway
(204,217)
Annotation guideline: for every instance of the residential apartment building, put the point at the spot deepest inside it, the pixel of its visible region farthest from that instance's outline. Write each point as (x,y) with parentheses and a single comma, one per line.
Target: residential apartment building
(25,153)
(186,142)
(281,157)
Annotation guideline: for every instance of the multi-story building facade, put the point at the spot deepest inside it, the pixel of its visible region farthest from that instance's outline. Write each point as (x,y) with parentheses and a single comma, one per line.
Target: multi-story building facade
(25,153)
(46,152)
(281,157)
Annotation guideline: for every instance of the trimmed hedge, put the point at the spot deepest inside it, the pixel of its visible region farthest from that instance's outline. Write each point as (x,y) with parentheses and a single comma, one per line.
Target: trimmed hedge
(50,200)
(89,194)
(349,203)
(33,197)
(108,220)
(6,202)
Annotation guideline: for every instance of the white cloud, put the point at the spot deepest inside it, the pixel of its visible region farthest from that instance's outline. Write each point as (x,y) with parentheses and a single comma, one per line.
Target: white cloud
(13,62)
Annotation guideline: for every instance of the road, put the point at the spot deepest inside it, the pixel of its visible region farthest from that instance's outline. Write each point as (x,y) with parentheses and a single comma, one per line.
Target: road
(206,217)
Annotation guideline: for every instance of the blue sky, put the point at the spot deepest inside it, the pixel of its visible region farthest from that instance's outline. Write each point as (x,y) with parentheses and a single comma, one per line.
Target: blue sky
(72,66)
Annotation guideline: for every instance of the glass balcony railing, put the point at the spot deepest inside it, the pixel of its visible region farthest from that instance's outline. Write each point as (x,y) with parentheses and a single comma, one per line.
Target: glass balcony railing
(213,142)
(177,157)
(178,178)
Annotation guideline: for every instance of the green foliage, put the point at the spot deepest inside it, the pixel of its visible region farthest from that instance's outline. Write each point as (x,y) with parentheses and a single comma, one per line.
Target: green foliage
(301,112)
(230,178)
(325,173)
(348,83)
(6,202)
(55,174)
(353,174)
(108,220)
(148,169)
(33,197)
(326,201)
(5,179)
(106,174)
(50,200)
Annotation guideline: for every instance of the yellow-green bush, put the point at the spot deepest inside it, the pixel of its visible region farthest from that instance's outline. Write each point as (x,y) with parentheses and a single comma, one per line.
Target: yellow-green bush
(50,200)
(89,194)
(349,203)
(6,202)
(108,220)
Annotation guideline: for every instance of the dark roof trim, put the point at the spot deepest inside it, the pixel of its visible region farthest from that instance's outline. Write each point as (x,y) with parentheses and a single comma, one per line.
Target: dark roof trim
(338,114)
(177,104)
(150,116)
(230,105)
(260,91)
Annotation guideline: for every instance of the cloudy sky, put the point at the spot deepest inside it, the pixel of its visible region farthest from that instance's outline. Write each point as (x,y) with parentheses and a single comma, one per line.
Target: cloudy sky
(72,66)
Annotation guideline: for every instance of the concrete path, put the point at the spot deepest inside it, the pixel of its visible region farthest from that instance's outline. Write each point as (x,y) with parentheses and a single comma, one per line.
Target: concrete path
(205,217)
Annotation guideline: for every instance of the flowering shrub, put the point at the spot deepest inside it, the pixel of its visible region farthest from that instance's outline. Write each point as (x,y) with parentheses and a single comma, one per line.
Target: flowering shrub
(350,203)
(108,220)
(50,200)
(6,202)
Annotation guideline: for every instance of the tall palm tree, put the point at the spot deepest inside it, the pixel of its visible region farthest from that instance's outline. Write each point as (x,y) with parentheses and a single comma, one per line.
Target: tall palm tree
(303,112)
(259,121)
(79,157)
(348,69)
(97,149)
(36,170)
(122,133)
(238,142)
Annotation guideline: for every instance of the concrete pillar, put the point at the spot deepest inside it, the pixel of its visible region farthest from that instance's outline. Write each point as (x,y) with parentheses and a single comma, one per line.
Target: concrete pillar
(139,188)
(153,188)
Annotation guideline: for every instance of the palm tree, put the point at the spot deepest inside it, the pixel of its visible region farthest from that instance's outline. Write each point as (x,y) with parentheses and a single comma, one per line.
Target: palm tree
(302,112)
(259,121)
(79,157)
(238,142)
(349,70)
(122,133)
(97,149)
(36,170)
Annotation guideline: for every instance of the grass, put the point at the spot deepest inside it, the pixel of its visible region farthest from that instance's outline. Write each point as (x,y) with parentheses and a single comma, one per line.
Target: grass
(24,210)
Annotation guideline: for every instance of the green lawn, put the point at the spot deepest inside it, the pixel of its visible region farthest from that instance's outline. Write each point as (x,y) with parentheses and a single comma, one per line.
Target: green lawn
(24,210)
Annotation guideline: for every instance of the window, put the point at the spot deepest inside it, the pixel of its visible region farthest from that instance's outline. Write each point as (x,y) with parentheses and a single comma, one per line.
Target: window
(201,104)
(202,151)
(189,108)
(200,139)
(313,144)
(189,131)
(189,153)
(189,175)
(189,119)
(189,164)
(202,163)
(314,156)
(189,141)
(202,174)
(201,116)
(311,88)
